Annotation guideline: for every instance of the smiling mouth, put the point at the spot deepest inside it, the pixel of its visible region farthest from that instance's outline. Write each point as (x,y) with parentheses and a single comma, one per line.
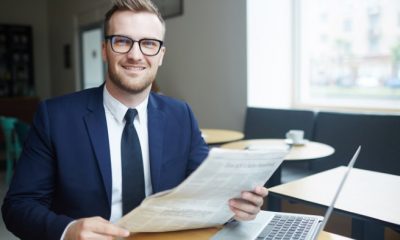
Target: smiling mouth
(133,68)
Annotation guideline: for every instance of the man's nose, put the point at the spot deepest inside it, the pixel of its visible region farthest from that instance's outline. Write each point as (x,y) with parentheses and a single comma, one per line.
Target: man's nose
(135,52)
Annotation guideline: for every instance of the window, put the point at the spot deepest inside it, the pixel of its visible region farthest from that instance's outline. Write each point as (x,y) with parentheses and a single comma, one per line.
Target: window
(348,54)
(321,53)
(269,53)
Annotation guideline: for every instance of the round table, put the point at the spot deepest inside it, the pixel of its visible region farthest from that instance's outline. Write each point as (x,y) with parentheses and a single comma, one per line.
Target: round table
(218,136)
(310,150)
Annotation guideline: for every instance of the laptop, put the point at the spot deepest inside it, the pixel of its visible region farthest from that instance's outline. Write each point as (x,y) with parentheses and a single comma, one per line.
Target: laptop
(275,225)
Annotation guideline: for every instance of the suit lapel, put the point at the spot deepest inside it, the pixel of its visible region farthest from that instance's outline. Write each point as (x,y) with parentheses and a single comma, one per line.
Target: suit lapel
(156,128)
(97,128)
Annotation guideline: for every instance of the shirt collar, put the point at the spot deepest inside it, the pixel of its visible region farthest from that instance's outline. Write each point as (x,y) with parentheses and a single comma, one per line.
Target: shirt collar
(118,110)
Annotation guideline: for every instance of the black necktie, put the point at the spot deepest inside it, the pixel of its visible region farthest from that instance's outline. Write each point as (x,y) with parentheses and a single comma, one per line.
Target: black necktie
(132,165)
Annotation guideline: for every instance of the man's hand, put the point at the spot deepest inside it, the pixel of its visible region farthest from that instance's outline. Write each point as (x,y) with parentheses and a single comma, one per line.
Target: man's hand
(94,228)
(249,204)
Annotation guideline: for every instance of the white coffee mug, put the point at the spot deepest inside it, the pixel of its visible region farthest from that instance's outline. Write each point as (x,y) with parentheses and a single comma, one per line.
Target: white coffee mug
(296,136)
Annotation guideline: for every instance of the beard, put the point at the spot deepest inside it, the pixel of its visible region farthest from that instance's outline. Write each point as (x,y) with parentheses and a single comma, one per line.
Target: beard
(125,84)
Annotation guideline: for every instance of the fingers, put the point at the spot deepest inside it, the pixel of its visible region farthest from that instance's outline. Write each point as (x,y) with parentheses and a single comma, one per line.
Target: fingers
(94,228)
(261,191)
(249,204)
(242,209)
(105,227)
(252,198)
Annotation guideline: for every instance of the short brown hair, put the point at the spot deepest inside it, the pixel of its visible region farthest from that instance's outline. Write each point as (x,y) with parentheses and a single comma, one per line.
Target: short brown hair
(133,5)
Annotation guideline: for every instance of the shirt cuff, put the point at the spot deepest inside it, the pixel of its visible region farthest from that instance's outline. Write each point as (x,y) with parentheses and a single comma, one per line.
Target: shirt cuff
(65,230)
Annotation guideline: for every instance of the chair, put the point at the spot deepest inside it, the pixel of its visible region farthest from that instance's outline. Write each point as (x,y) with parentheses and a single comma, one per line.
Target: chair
(274,123)
(13,131)
(379,136)
(22,130)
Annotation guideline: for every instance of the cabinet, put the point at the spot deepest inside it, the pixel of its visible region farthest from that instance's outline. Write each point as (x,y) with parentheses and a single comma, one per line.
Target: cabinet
(16,61)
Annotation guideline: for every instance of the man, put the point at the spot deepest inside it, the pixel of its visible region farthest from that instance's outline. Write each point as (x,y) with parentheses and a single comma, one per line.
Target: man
(69,181)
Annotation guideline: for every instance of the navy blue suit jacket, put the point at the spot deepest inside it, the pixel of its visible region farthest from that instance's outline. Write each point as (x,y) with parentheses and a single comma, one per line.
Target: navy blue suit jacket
(64,172)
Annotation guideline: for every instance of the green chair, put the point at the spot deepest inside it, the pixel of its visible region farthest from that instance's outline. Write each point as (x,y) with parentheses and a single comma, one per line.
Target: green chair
(12,144)
(22,130)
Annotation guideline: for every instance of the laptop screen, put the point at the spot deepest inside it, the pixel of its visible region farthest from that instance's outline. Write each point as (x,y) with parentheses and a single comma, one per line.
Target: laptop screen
(339,189)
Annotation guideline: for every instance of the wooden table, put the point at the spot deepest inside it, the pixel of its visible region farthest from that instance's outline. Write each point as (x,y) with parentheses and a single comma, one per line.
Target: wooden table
(310,150)
(203,234)
(219,136)
(367,195)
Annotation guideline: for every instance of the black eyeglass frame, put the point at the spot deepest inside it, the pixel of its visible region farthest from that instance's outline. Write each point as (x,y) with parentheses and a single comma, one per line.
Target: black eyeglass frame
(111,37)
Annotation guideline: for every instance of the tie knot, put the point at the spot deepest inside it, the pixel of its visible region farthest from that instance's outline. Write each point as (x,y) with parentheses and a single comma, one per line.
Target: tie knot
(130,115)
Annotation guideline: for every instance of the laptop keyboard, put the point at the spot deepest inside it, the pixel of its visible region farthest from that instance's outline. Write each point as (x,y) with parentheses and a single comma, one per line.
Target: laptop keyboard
(287,227)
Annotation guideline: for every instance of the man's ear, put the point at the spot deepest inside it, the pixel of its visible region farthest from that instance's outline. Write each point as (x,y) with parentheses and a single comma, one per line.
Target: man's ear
(162,52)
(104,51)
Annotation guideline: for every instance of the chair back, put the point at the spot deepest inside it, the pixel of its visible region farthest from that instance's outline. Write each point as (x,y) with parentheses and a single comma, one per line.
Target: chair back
(22,130)
(12,143)
(274,123)
(379,136)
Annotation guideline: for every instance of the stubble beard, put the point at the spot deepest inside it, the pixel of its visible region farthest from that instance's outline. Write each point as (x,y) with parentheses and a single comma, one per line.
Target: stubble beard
(123,82)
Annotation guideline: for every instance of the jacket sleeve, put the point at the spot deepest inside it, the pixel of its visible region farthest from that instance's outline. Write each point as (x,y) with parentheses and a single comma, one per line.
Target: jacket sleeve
(198,147)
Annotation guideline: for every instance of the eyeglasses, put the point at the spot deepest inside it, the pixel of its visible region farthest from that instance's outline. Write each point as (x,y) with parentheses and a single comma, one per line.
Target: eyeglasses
(123,44)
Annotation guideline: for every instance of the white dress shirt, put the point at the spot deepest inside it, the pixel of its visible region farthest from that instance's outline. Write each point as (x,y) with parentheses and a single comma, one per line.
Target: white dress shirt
(115,113)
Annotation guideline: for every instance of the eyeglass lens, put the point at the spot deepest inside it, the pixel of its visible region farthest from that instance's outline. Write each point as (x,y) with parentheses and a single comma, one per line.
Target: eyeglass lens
(122,44)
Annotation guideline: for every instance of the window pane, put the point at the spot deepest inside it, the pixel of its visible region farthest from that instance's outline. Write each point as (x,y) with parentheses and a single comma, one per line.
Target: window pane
(269,53)
(349,53)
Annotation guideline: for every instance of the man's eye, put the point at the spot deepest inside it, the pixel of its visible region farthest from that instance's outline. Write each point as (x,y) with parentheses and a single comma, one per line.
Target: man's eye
(121,41)
(149,44)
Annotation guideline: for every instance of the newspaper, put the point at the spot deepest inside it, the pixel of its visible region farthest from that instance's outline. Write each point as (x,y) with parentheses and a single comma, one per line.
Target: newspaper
(202,199)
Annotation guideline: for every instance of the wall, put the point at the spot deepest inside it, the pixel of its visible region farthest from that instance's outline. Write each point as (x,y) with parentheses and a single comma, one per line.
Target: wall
(32,13)
(205,63)
(67,18)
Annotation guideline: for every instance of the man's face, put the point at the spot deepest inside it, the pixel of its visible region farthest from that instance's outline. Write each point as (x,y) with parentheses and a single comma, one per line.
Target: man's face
(133,72)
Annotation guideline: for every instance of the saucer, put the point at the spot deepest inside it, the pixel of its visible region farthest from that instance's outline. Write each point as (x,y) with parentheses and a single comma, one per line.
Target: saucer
(301,143)
(264,147)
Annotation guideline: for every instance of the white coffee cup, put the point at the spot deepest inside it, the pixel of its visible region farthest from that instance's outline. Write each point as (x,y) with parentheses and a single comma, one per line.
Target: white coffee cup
(295,136)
